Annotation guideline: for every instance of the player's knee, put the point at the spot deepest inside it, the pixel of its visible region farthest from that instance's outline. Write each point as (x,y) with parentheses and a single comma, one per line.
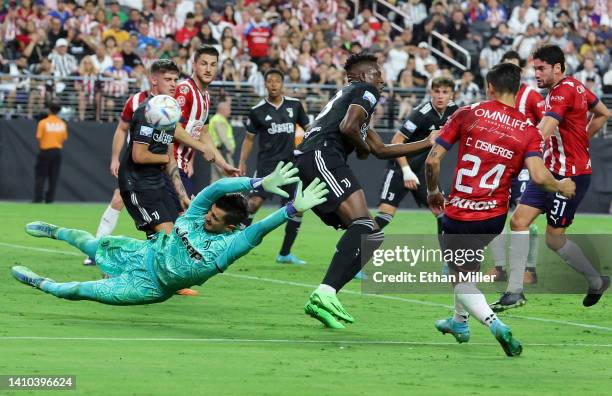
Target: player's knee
(519,223)
(555,241)
(117,201)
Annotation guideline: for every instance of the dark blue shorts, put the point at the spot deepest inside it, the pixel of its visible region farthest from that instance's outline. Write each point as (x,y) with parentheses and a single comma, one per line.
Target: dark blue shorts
(468,239)
(519,185)
(172,192)
(559,210)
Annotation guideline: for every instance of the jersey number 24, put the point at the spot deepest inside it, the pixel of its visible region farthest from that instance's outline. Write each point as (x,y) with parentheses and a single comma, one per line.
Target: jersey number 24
(489,180)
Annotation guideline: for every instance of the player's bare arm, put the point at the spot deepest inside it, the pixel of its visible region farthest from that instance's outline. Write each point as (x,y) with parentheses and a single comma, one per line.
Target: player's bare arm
(172,171)
(181,136)
(386,151)
(350,128)
(547,126)
(245,151)
(543,178)
(118,140)
(435,199)
(142,155)
(598,119)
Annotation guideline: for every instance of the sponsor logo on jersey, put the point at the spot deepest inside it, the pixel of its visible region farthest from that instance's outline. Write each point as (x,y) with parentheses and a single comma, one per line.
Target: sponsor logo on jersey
(410,126)
(369,96)
(146,131)
(193,253)
(181,100)
(580,89)
(557,98)
(287,127)
(290,112)
(162,137)
(501,118)
(464,203)
(184,89)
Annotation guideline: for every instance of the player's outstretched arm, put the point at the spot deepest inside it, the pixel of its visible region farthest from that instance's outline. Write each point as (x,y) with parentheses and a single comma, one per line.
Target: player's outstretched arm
(181,136)
(386,151)
(174,175)
(245,151)
(350,128)
(545,180)
(435,199)
(599,118)
(119,139)
(253,235)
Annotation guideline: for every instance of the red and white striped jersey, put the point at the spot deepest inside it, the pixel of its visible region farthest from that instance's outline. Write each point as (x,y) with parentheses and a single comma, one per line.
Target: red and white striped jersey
(9,30)
(171,23)
(132,104)
(531,103)
(118,86)
(159,30)
(195,105)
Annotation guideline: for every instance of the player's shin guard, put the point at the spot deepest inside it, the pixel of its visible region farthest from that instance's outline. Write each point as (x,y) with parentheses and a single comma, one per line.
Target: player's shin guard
(575,258)
(383,219)
(519,249)
(347,250)
(291,231)
(81,240)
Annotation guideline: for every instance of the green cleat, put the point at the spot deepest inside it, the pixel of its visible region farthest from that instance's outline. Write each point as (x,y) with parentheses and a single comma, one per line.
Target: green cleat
(460,331)
(40,229)
(322,316)
(25,275)
(330,303)
(503,335)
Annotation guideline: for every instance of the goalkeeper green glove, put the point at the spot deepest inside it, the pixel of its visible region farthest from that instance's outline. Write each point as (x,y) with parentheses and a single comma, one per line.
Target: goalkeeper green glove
(307,199)
(283,174)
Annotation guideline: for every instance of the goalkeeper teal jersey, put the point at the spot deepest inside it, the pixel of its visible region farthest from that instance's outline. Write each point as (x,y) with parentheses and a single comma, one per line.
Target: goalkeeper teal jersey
(191,255)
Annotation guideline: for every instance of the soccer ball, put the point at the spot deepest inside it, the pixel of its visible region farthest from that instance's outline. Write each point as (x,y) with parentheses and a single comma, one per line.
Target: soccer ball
(162,112)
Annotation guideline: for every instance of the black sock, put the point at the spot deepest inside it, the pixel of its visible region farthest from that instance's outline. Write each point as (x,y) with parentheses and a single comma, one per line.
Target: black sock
(347,250)
(373,242)
(291,230)
(439,221)
(248,221)
(382,219)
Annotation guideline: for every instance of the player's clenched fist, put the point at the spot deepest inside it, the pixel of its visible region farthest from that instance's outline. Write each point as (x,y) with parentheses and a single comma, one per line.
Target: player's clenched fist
(567,188)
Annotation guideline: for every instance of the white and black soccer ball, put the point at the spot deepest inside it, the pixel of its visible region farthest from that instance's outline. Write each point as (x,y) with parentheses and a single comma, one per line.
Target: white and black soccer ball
(162,112)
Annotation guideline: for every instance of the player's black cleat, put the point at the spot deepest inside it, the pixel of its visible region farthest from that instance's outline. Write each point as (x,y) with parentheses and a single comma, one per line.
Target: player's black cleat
(593,295)
(508,301)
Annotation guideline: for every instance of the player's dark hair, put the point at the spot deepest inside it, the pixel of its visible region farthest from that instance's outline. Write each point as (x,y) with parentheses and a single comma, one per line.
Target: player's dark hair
(505,77)
(442,81)
(205,49)
(513,55)
(54,107)
(235,207)
(357,59)
(274,71)
(165,66)
(551,54)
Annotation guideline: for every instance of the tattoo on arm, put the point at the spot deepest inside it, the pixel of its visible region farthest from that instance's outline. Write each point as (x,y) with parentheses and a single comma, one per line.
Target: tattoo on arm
(432,168)
(175,177)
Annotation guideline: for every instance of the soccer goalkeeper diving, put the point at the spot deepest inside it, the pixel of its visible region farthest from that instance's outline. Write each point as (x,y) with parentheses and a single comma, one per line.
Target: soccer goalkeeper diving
(205,241)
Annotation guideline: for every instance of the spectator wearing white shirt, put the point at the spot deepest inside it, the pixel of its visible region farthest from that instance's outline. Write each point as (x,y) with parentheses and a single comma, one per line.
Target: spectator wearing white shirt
(422,58)
(101,60)
(491,55)
(526,42)
(397,58)
(531,14)
(183,7)
(607,81)
(217,25)
(589,77)
(466,91)
(416,12)
(64,64)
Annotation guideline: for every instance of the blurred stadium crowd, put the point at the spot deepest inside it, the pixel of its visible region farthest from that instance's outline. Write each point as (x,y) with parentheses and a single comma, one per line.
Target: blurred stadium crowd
(54,49)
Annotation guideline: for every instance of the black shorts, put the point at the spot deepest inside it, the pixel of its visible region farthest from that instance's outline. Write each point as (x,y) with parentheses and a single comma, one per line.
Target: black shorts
(463,237)
(149,208)
(341,182)
(392,190)
(519,185)
(264,170)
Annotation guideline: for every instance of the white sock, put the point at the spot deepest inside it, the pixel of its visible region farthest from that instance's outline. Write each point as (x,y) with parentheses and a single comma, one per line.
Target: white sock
(519,249)
(461,315)
(326,288)
(532,257)
(108,222)
(474,302)
(498,249)
(573,256)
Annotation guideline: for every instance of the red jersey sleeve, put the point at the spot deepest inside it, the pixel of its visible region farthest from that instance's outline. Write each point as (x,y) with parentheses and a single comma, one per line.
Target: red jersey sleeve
(535,106)
(591,98)
(451,132)
(535,147)
(558,102)
(185,99)
(128,110)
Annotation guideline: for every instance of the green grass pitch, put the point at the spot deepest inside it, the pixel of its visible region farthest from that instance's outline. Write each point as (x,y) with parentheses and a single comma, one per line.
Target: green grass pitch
(247,334)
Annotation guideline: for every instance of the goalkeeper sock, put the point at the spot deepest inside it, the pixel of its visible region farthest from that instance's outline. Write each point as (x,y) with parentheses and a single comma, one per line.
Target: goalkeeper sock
(383,219)
(81,240)
(519,248)
(575,258)
(347,250)
(291,231)
(474,302)
(108,222)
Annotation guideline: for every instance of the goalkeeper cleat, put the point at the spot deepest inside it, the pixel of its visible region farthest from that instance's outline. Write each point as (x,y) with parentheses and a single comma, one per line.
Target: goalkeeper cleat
(322,316)
(503,335)
(40,229)
(508,301)
(187,292)
(499,274)
(289,259)
(25,275)
(330,303)
(593,295)
(89,261)
(459,330)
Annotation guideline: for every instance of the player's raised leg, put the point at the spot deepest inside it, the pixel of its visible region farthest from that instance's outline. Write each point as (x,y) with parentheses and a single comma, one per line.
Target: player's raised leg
(81,240)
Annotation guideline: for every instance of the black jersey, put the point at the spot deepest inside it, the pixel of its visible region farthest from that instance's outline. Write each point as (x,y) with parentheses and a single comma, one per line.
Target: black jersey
(275,127)
(138,177)
(324,133)
(419,124)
